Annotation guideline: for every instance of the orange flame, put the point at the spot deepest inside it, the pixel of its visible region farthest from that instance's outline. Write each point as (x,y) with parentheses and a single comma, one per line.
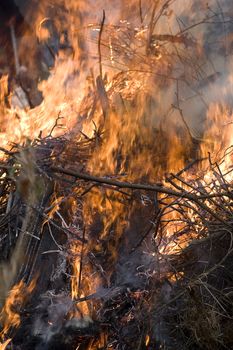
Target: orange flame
(3,346)
(144,131)
(10,314)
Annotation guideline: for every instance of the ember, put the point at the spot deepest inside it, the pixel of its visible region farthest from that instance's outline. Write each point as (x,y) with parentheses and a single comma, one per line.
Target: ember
(116,178)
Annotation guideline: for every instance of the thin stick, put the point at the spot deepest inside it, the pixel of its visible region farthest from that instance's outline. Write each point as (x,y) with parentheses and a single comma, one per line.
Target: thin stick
(15,50)
(99,45)
(111,182)
(140,11)
(134,186)
(81,264)
(56,124)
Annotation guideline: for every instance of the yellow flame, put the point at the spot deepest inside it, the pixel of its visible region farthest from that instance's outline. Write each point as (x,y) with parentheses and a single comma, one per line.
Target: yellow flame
(3,346)
(147,340)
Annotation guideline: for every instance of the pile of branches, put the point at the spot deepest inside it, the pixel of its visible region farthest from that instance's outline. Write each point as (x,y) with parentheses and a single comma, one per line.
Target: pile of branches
(37,231)
(197,311)
(31,237)
(183,300)
(191,310)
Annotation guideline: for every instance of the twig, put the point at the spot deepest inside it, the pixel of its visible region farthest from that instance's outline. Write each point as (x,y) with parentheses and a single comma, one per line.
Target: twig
(102,96)
(133,186)
(99,45)
(81,264)
(63,229)
(140,11)
(190,165)
(151,28)
(121,184)
(9,153)
(15,50)
(56,124)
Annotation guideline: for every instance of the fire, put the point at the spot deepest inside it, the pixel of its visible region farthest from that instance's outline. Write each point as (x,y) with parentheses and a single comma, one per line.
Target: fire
(136,91)
(10,313)
(216,149)
(3,346)
(77,281)
(147,342)
(218,137)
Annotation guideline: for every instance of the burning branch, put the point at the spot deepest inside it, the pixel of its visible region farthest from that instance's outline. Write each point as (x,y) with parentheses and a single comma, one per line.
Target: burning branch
(99,46)
(153,188)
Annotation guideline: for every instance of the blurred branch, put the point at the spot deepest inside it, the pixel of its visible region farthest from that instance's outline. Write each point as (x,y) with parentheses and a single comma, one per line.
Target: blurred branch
(99,45)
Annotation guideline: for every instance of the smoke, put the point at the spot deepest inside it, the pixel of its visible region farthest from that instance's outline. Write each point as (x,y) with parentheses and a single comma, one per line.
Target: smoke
(205,52)
(185,78)
(201,66)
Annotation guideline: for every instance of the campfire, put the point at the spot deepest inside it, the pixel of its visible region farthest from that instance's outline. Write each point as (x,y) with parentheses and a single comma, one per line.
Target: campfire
(116,155)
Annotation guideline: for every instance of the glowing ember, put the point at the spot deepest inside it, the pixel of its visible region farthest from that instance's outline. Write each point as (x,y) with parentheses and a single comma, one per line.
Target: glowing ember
(147,340)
